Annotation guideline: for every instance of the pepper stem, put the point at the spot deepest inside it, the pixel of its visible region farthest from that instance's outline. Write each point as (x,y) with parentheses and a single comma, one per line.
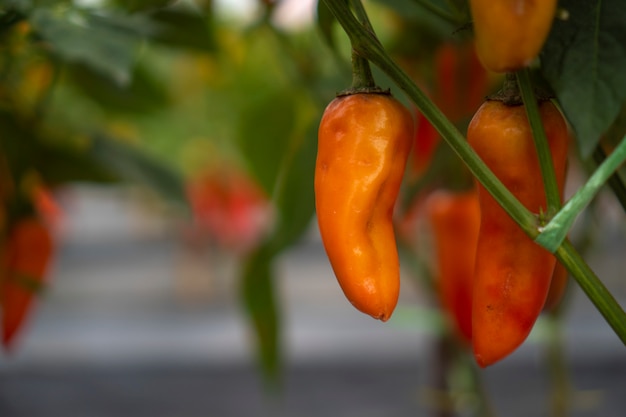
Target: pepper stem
(553,195)
(362,77)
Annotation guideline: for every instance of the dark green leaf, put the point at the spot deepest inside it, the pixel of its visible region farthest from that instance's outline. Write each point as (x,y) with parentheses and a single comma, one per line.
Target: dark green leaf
(444,17)
(183,29)
(23,6)
(295,199)
(132,165)
(59,165)
(17,143)
(265,131)
(26,150)
(325,23)
(108,44)
(142,5)
(260,303)
(584,60)
(143,94)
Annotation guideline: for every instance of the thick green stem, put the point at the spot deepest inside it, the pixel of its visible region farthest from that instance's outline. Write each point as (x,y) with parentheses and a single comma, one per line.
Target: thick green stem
(553,195)
(615,181)
(594,289)
(362,78)
(556,230)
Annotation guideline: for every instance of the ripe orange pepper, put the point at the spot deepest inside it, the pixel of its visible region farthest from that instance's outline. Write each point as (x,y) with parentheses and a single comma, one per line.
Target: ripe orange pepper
(363,145)
(27,252)
(455,221)
(513,273)
(510,33)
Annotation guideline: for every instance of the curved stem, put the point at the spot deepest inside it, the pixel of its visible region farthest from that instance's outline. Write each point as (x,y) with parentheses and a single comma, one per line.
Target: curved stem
(553,195)
(556,230)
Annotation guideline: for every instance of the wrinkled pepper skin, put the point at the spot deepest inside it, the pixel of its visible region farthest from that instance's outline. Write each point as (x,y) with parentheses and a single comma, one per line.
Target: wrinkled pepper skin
(363,145)
(454,219)
(27,253)
(513,274)
(510,33)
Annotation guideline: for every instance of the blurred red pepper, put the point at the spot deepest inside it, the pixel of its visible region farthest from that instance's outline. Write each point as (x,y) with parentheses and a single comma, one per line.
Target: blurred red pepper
(229,208)
(26,254)
(460,86)
(455,221)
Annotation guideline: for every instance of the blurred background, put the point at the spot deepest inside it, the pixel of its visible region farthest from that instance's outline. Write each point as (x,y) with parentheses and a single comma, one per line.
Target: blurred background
(169,148)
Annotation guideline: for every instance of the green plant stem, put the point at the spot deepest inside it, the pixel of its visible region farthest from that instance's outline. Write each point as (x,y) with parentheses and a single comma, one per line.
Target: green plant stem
(615,181)
(556,230)
(553,195)
(362,78)
(361,14)
(593,288)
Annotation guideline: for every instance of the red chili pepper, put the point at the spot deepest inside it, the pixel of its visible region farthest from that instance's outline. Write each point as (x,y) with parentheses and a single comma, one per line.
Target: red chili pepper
(27,253)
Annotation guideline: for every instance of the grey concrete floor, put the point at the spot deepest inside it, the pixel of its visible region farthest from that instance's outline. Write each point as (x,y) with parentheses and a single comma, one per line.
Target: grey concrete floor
(132,325)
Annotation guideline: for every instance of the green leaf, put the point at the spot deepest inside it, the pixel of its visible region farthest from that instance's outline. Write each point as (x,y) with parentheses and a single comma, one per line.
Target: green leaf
(444,17)
(62,164)
(141,95)
(260,302)
(142,5)
(26,149)
(325,23)
(108,44)
(132,165)
(22,6)
(17,143)
(584,60)
(295,199)
(183,29)
(265,130)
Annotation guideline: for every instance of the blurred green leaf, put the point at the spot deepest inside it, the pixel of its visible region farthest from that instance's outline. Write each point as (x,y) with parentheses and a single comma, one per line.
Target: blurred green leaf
(325,23)
(27,150)
(183,29)
(584,60)
(59,165)
(295,199)
(260,302)
(143,94)
(142,5)
(265,129)
(107,43)
(132,165)
(17,143)
(445,17)
(20,5)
